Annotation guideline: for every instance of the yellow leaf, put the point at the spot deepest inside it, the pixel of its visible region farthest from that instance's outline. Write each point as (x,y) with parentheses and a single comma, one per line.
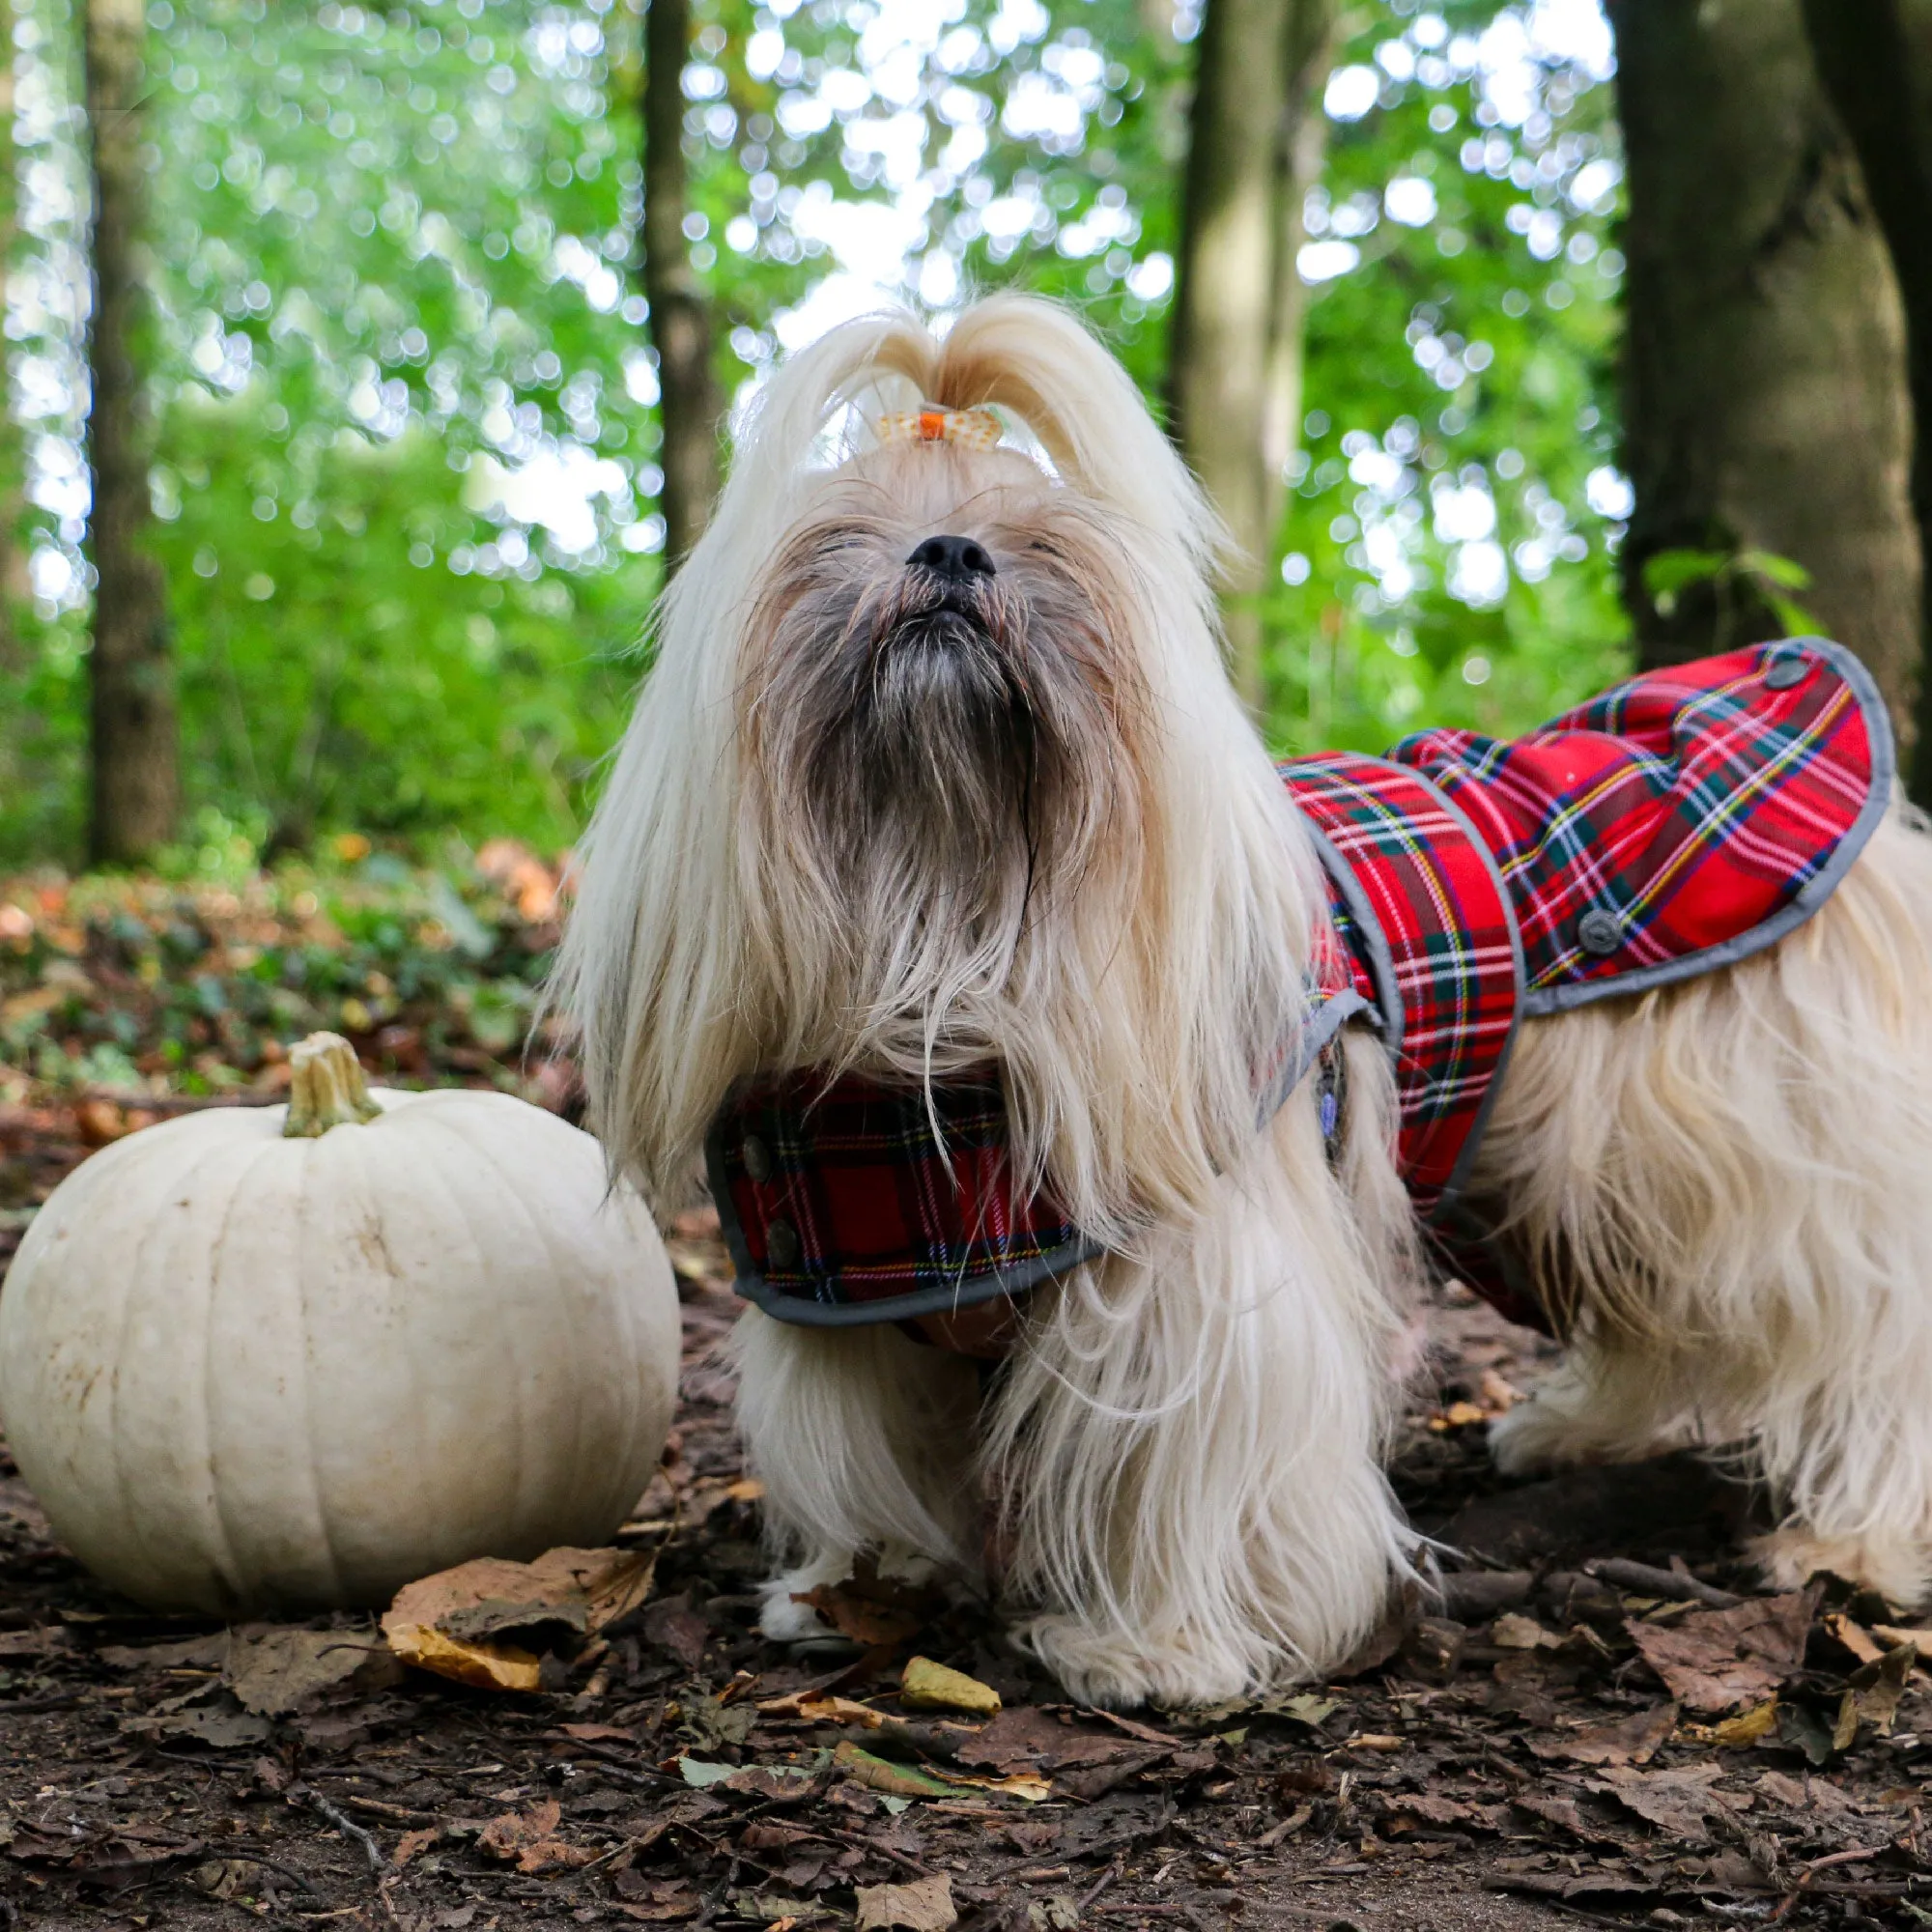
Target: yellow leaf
(1026,1784)
(927,1686)
(1747,1726)
(491,1666)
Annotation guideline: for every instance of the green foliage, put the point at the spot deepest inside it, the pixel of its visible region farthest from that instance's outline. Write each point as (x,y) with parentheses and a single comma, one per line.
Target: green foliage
(1758,576)
(1454,569)
(403,400)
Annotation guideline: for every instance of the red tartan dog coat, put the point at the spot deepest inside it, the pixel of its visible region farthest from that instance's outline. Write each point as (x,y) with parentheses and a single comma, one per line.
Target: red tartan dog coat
(1674,825)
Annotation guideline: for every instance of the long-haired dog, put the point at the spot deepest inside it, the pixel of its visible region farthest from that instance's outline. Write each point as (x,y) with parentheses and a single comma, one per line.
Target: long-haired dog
(938,778)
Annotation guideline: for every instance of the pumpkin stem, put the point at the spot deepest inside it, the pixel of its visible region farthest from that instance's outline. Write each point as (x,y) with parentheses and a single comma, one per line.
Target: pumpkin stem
(328,1089)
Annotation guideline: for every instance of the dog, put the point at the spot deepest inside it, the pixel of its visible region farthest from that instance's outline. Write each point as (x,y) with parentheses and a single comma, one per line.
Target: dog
(1057,1096)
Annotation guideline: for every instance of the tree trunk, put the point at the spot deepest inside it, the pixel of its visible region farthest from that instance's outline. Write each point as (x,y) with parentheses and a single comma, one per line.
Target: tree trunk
(1876,60)
(1765,393)
(134,750)
(1234,381)
(1300,156)
(689,406)
(15,588)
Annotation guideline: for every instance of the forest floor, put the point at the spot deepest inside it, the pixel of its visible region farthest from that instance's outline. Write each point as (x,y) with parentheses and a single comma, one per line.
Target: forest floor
(1563,1738)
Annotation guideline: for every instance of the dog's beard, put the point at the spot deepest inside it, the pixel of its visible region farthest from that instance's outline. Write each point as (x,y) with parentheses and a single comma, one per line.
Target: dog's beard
(933,766)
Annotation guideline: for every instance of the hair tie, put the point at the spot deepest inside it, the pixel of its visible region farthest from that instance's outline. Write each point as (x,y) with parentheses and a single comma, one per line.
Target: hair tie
(971,429)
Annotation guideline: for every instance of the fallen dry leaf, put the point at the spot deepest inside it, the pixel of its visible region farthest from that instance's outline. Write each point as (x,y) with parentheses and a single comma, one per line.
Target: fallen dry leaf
(1713,1660)
(1027,1738)
(1677,1801)
(1854,1636)
(927,1686)
(1920,1639)
(274,1671)
(866,1620)
(529,1837)
(1747,1726)
(412,1842)
(1512,1632)
(924,1906)
(488,1667)
(1631,1740)
(449,1622)
(811,1708)
(675,1625)
(1421,1808)
(1875,1690)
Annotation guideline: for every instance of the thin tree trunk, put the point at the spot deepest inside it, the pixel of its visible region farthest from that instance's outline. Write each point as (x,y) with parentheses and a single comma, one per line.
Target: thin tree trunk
(1876,60)
(1301,149)
(1765,404)
(1235,372)
(134,748)
(689,406)
(13,585)
(1218,370)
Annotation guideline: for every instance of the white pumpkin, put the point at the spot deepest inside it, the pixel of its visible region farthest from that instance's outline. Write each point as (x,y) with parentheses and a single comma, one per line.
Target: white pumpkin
(291,1358)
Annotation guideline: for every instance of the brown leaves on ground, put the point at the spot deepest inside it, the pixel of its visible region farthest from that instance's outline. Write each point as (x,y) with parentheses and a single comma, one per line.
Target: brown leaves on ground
(529,1839)
(1631,1740)
(924,1906)
(1679,1803)
(458,1622)
(275,1672)
(671,1768)
(1713,1660)
(876,1612)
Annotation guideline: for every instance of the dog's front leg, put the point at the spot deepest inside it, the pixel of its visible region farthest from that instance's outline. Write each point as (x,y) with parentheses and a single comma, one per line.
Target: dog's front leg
(863,1440)
(1188,1449)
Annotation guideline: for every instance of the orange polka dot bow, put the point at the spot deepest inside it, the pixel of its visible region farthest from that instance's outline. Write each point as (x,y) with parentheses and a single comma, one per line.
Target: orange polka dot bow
(970,429)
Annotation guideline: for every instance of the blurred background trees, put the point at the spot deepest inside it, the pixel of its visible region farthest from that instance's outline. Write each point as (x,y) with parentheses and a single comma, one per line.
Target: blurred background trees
(363,414)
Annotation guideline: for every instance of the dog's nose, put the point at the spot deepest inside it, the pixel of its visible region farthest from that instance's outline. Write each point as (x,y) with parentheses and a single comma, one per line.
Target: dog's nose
(956,558)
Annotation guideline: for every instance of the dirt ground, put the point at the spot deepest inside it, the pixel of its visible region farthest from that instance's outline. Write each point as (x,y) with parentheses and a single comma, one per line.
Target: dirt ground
(1543,1747)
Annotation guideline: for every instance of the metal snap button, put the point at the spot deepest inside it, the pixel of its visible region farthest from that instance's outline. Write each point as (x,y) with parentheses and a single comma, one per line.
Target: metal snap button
(1787,668)
(782,1246)
(757,1158)
(1599,932)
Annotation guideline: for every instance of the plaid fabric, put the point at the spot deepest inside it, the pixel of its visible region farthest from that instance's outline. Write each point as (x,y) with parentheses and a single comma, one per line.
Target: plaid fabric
(1432,946)
(841,1204)
(1674,825)
(1679,822)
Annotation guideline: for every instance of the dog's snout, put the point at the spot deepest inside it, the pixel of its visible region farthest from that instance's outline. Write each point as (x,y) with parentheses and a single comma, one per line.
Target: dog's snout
(958,558)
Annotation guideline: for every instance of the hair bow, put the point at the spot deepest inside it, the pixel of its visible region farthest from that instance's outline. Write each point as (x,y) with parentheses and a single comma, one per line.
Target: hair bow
(971,429)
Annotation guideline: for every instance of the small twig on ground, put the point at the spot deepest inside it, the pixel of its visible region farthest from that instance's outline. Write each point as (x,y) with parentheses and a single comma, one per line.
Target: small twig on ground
(717,1898)
(861,1842)
(1648,1580)
(1085,1903)
(1807,1875)
(394,1815)
(1474,1595)
(305,1793)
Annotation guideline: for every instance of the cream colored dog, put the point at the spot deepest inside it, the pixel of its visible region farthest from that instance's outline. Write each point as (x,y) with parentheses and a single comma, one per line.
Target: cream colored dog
(901,811)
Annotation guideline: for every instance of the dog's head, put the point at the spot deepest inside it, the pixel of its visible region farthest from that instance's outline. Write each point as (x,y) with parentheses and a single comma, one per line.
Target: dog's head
(941,702)
(939,763)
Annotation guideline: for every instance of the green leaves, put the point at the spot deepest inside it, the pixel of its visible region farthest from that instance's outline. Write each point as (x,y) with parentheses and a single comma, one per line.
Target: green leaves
(1759,574)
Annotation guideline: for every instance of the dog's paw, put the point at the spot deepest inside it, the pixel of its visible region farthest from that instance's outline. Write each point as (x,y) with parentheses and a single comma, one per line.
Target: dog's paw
(1895,1566)
(783,1616)
(1528,1440)
(1113,1673)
